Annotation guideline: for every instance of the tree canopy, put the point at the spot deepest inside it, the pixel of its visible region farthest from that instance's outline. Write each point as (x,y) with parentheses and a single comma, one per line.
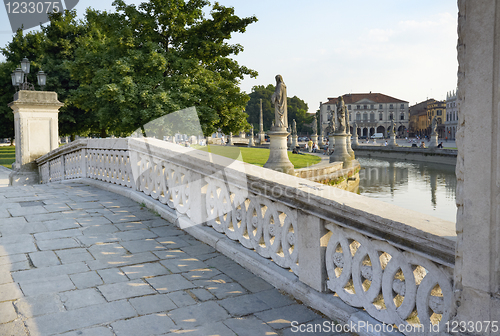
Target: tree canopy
(117,71)
(297,109)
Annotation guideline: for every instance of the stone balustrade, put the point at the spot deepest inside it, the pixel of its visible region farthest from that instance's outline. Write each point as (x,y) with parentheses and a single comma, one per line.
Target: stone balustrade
(397,264)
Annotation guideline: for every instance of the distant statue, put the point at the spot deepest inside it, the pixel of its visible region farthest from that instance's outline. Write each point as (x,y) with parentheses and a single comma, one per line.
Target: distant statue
(251,131)
(315,126)
(341,115)
(434,125)
(330,129)
(355,129)
(294,127)
(392,129)
(279,100)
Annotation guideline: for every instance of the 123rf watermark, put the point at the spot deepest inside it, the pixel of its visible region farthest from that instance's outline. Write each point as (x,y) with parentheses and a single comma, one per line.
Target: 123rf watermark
(449,327)
(29,14)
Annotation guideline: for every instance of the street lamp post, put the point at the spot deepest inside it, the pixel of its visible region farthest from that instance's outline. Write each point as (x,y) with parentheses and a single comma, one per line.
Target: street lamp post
(20,77)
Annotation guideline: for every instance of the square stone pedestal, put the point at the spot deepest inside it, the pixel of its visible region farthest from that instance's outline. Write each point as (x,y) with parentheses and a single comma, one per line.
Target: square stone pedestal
(36,132)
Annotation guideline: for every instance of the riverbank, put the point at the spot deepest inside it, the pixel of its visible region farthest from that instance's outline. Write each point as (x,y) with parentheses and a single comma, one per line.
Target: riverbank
(442,156)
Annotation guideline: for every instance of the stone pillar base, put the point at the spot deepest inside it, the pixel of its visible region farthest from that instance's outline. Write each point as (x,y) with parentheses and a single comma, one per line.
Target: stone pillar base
(392,141)
(295,141)
(278,155)
(314,138)
(434,141)
(349,148)
(340,153)
(262,138)
(23,178)
(354,142)
(251,142)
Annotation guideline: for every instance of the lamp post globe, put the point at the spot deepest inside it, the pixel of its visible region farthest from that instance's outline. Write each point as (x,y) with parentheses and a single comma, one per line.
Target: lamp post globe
(42,78)
(25,65)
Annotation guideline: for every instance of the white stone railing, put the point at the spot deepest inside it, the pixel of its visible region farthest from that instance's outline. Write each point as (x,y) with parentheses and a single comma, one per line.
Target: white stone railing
(395,263)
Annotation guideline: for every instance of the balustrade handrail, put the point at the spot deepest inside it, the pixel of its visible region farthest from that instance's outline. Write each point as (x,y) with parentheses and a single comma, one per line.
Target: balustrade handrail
(270,212)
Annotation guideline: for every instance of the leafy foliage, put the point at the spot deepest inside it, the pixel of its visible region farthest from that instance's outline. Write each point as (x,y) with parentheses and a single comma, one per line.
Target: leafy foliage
(116,72)
(144,62)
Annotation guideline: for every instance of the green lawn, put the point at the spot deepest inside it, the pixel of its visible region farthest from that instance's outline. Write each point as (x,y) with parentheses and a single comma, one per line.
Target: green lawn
(7,156)
(259,156)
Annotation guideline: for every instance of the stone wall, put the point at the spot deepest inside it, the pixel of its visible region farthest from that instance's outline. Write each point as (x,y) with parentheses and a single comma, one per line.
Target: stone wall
(443,156)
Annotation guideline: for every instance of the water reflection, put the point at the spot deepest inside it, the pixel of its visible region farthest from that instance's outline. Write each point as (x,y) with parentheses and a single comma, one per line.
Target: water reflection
(425,187)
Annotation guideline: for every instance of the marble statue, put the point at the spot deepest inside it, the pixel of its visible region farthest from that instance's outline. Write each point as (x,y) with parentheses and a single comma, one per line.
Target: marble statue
(341,115)
(330,129)
(294,127)
(392,128)
(434,125)
(315,125)
(279,100)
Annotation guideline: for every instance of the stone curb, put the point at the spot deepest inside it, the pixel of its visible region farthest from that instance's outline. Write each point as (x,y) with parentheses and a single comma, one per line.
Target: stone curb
(328,304)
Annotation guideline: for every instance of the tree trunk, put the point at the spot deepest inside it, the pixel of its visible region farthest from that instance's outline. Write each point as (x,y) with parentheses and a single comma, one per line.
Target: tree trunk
(72,137)
(103,133)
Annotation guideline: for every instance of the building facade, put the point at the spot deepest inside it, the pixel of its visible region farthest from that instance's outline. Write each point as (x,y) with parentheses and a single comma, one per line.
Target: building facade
(451,122)
(419,122)
(372,113)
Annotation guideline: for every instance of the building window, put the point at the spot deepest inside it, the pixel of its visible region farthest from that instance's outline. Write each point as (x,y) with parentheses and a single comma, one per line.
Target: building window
(380,116)
(402,106)
(348,107)
(380,106)
(391,116)
(328,107)
(402,117)
(365,116)
(350,116)
(357,107)
(372,116)
(358,117)
(372,107)
(365,107)
(391,107)
(439,112)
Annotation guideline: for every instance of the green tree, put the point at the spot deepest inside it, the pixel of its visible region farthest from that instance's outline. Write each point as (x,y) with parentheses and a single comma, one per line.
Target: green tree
(59,45)
(6,96)
(297,109)
(143,62)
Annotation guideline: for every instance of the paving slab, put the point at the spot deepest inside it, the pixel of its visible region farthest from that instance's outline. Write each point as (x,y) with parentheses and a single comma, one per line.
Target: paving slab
(93,263)
(154,324)
(152,304)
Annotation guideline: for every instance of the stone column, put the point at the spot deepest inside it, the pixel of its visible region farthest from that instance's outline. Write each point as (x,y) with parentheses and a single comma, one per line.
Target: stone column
(341,153)
(278,155)
(433,140)
(262,135)
(477,262)
(331,142)
(36,132)
(355,142)
(392,140)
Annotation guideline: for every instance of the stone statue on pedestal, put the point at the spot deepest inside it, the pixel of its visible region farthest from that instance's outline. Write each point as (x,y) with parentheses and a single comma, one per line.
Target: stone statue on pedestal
(392,128)
(294,127)
(341,116)
(279,100)
(315,126)
(434,126)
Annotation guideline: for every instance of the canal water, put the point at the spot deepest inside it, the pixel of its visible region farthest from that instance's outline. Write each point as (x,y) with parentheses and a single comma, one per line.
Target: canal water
(424,187)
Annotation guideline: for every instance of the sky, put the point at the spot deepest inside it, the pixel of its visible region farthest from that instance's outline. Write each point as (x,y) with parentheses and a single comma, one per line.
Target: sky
(325,48)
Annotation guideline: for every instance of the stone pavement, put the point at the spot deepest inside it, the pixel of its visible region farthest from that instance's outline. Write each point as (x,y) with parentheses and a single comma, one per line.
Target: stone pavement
(77,260)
